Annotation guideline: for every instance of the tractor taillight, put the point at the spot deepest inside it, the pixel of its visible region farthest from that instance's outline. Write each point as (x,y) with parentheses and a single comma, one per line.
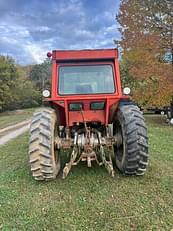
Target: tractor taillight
(97,106)
(126,91)
(46,93)
(49,54)
(75,106)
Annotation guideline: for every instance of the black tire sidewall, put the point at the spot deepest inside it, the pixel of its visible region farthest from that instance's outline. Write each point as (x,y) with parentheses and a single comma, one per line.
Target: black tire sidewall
(134,154)
(121,120)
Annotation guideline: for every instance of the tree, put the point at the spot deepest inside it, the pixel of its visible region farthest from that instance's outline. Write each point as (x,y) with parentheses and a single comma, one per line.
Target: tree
(8,77)
(16,91)
(40,75)
(126,78)
(143,24)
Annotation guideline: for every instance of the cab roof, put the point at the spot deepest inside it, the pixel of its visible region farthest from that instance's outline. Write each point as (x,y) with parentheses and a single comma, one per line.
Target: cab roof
(77,55)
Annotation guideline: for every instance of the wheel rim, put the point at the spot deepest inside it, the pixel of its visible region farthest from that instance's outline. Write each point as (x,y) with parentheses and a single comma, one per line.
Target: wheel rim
(55,150)
(119,147)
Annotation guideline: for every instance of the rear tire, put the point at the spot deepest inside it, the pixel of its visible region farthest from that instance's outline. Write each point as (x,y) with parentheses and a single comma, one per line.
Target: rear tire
(43,158)
(132,152)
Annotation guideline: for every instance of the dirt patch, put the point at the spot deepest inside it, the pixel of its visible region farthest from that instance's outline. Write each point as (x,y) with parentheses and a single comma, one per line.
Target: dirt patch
(13,127)
(11,132)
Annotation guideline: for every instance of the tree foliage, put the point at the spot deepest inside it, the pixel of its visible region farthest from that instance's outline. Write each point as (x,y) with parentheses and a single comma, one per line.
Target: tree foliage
(147,29)
(16,91)
(40,75)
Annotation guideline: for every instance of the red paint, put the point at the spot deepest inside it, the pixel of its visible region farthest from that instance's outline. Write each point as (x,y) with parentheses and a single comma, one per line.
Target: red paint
(85,54)
(85,57)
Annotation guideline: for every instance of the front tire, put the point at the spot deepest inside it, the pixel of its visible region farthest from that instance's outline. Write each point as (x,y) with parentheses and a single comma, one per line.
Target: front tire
(131,153)
(43,157)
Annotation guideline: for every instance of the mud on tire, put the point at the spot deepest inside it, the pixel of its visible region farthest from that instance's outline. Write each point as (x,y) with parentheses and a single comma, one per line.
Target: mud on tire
(132,154)
(43,158)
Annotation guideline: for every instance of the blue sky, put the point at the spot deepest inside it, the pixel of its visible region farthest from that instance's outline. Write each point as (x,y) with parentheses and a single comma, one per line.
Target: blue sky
(30,28)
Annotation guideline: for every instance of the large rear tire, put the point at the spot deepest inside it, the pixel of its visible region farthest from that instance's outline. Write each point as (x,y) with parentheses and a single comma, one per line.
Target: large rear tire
(131,153)
(43,157)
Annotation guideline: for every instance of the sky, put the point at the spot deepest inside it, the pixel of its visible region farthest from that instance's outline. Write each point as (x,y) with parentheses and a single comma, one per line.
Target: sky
(31,28)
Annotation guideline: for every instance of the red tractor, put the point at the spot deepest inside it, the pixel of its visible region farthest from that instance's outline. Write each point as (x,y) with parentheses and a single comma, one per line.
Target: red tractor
(89,115)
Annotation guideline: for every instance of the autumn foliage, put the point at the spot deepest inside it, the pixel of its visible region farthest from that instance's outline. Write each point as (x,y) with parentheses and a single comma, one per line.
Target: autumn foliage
(144,49)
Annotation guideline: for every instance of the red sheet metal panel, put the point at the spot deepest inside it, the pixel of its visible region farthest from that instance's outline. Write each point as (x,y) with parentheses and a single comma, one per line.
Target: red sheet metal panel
(85,54)
(90,115)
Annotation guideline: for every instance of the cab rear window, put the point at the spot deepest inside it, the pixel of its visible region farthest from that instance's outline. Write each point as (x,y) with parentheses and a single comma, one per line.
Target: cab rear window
(93,79)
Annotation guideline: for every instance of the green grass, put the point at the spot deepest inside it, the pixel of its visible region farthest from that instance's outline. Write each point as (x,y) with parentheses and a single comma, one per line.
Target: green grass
(13,117)
(88,199)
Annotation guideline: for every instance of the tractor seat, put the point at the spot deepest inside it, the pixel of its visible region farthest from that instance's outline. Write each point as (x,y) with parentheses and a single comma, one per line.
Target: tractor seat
(83,89)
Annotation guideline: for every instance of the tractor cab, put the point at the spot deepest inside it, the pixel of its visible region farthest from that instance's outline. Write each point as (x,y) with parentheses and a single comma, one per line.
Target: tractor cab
(87,80)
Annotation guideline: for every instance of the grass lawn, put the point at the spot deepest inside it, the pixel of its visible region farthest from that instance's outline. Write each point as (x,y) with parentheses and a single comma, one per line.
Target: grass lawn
(13,117)
(88,199)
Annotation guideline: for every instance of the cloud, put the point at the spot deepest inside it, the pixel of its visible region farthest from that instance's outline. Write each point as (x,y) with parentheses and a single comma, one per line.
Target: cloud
(28,29)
